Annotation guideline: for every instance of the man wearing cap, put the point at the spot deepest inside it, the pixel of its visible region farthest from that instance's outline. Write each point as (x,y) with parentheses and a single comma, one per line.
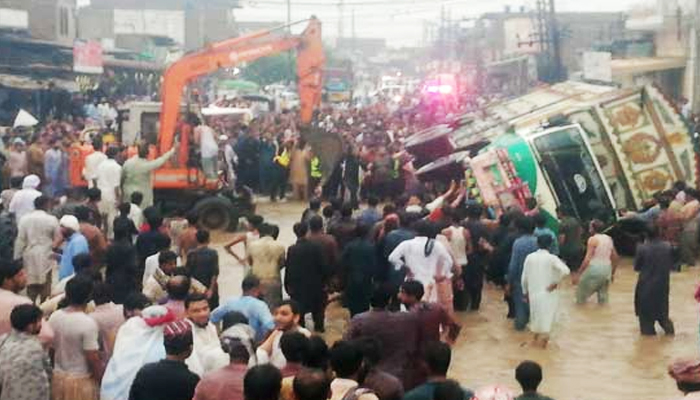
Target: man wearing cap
(687,376)
(36,233)
(13,280)
(23,201)
(17,160)
(168,379)
(75,244)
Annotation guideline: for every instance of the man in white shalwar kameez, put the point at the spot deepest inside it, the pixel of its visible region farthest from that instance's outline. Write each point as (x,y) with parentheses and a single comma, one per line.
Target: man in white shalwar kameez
(424,259)
(542,273)
(109,180)
(37,232)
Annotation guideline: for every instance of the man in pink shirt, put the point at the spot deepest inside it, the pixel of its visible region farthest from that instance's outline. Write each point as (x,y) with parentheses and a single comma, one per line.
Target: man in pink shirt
(13,280)
(108,316)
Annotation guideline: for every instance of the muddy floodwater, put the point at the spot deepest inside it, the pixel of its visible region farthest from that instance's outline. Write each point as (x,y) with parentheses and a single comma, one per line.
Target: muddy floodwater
(596,352)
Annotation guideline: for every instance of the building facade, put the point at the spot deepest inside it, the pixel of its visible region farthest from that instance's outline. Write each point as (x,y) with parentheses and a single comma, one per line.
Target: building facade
(513,34)
(190,24)
(50,20)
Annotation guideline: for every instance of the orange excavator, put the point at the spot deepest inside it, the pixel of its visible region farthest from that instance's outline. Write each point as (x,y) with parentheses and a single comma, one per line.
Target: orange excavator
(185,188)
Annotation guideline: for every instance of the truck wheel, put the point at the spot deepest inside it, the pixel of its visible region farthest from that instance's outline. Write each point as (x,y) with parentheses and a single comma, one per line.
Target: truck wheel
(214,213)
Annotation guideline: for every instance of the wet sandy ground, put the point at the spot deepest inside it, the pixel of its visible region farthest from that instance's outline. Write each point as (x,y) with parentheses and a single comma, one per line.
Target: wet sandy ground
(596,353)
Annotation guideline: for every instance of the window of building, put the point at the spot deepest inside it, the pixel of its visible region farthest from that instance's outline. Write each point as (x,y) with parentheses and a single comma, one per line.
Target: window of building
(63,21)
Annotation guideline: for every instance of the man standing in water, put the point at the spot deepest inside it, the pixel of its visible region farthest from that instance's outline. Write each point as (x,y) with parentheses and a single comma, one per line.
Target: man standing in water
(570,244)
(542,273)
(522,247)
(653,261)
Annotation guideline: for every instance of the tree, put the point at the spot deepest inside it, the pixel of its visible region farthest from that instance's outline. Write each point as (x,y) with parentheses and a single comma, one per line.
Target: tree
(267,70)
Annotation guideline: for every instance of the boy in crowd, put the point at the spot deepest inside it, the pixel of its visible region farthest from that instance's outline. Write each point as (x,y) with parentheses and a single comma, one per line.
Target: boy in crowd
(529,376)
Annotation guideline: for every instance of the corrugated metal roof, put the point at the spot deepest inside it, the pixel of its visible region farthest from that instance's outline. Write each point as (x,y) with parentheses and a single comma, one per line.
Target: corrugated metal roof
(530,109)
(628,66)
(28,83)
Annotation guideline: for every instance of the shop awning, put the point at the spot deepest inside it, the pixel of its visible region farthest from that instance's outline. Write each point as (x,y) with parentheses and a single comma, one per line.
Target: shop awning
(28,83)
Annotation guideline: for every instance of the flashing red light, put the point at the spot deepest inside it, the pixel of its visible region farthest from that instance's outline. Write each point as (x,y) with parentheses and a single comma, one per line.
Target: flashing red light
(445,89)
(442,89)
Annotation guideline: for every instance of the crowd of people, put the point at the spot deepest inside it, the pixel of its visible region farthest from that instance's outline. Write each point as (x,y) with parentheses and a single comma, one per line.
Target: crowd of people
(138,316)
(128,306)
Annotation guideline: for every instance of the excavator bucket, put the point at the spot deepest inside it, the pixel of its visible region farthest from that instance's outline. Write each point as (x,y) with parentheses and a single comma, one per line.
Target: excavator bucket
(328,146)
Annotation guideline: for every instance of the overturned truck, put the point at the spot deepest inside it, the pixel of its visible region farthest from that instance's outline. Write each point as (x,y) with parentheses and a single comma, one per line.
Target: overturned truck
(596,150)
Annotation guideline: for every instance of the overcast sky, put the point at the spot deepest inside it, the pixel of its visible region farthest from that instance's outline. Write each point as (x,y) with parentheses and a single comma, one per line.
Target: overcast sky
(401,21)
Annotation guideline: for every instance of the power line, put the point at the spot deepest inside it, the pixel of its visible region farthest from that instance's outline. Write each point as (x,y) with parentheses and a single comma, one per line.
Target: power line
(394,13)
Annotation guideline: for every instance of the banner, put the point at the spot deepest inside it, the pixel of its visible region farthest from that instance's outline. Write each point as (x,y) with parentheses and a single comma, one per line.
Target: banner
(24,118)
(87,57)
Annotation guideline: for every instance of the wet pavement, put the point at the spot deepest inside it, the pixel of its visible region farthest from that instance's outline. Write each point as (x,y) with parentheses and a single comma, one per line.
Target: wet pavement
(596,352)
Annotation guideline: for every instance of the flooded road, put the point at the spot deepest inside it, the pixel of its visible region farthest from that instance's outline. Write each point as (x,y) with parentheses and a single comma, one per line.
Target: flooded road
(596,353)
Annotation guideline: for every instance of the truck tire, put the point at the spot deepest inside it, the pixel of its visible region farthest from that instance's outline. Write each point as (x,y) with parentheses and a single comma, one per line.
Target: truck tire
(214,213)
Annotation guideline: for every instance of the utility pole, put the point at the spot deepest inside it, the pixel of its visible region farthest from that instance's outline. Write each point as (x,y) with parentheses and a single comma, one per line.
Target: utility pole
(480,34)
(450,38)
(424,42)
(441,36)
(541,23)
(696,59)
(289,16)
(341,32)
(354,36)
(556,43)
(549,40)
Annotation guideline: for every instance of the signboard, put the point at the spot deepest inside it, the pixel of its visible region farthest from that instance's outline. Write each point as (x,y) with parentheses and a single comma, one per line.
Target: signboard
(596,66)
(87,57)
(14,19)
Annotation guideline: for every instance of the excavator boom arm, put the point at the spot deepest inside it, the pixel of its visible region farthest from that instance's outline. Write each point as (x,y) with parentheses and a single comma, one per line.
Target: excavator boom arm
(310,62)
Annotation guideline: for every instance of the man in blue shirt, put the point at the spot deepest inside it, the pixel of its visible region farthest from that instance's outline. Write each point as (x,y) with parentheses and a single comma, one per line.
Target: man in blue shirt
(370,215)
(542,230)
(250,305)
(522,247)
(75,244)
